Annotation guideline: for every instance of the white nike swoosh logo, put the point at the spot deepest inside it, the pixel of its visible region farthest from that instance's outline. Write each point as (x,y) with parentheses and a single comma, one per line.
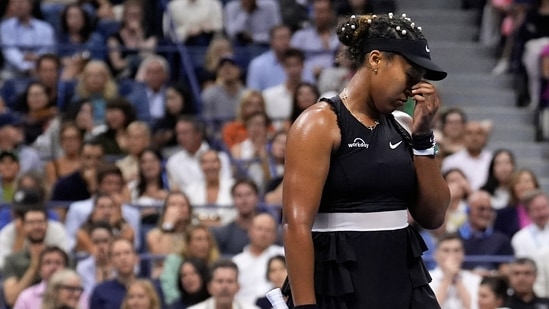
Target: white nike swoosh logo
(393,146)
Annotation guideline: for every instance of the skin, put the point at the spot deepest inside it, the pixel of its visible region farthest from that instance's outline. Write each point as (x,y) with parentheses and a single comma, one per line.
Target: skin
(69,292)
(223,287)
(487,299)
(190,278)
(521,280)
(449,257)
(138,298)
(277,273)
(315,135)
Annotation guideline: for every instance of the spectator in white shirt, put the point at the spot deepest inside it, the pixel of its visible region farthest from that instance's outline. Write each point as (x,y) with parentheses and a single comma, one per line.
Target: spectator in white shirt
(529,240)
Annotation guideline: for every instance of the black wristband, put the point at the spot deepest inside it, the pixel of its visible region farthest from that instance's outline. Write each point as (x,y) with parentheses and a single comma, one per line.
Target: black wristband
(311,306)
(423,141)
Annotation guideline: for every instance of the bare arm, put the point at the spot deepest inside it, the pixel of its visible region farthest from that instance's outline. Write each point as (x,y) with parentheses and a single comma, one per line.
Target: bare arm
(433,193)
(310,143)
(13,286)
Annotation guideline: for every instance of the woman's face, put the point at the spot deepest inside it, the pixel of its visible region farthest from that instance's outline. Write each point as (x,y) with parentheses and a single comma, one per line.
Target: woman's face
(453,126)
(257,127)
(503,167)
(199,244)
(103,210)
(178,206)
(278,146)
(174,101)
(210,165)
(95,78)
(69,292)
(190,278)
(305,97)
(254,104)
(487,299)
(37,98)
(458,178)
(84,118)
(71,141)
(115,118)
(277,273)
(75,19)
(137,297)
(525,183)
(150,165)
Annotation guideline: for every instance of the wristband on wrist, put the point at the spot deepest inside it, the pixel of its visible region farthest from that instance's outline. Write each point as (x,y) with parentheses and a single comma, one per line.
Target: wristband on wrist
(423,141)
(311,306)
(432,151)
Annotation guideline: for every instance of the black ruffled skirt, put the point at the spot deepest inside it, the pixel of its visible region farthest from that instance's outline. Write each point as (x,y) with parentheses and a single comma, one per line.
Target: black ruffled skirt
(378,270)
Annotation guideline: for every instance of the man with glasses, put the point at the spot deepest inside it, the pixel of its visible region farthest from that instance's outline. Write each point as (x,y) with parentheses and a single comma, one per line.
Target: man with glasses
(479,238)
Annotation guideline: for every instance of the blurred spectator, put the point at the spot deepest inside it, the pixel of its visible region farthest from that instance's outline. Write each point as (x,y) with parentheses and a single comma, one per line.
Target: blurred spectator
(80,184)
(51,260)
(151,186)
(9,169)
(199,244)
(193,22)
(155,73)
(276,274)
(249,21)
(110,293)
(234,132)
(514,217)
(141,295)
(97,85)
(118,115)
(35,108)
(211,196)
(97,267)
(529,240)
(178,102)
(233,236)
(218,48)
(252,261)
(501,169)
(277,154)
(278,99)
(478,236)
(454,287)
(459,192)
(109,181)
(131,43)
(138,136)
(492,292)
(336,78)
(169,234)
(104,210)
(541,286)
(24,38)
(194,276)
(305,95)
(64,290)
(102,9)
(319,41)
(71,140)
(183,167)
(59,90)
(356,7)
(451,139)
(11,138)
(223,287)
(522,275)
(294,13)
(220,100)
(474,160)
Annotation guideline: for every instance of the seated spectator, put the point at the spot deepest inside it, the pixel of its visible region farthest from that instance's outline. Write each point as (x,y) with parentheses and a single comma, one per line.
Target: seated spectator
(24,38)
(154,72)
(218,48)
(479,239)
(80,184)
(16,236)
(452,128)
(514,216)
(12,138)
(492,292)
(78,41)
(252,261)
(71,140)
(249,21)
(233,236)
(193,23)
(64,291)
(97,267)
(277,154)
(138,138)
(102,9)
(454,287)
(305,95)
(213,190)
(104,210)
(542,280)
(109,294)
(335,79)
(35,110)
(532,238)
(276,274)
(199,244)
(97,85)
(460,190)
(131,43)
(234,132)
(500,172)
(179,102)
(141,295)
(9,169)
(119,114)
(168,237)
(60,89)
(194,276)
(151,187)
(522,275)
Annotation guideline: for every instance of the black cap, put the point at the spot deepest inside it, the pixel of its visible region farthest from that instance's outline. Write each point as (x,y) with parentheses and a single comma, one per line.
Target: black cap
(9,153)
(27,199)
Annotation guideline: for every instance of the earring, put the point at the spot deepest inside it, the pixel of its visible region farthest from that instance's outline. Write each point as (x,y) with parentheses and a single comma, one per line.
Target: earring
(375,71)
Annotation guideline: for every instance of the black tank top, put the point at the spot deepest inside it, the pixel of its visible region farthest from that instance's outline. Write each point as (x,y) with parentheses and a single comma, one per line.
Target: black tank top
(372,170)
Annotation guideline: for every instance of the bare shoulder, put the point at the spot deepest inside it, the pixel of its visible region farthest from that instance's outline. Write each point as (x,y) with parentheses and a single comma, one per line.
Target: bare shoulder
(318,120)
(404,120)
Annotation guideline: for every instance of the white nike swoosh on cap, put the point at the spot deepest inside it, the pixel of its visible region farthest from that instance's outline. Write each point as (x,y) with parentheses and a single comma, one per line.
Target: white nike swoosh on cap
(393,146)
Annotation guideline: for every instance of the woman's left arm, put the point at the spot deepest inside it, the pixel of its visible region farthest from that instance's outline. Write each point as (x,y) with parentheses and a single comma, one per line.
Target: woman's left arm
(433,195)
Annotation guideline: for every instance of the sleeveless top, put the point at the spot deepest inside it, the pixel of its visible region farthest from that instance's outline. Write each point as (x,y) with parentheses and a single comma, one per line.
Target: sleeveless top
(372,170)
